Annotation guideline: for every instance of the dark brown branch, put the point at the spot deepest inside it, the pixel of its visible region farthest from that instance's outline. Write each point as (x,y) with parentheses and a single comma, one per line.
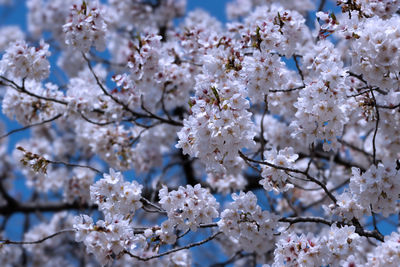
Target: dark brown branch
(173,250)
(376,128)
(74,165)
(116,100)
(152,115)
(321,5)
(355,148)
(306,219)
(151,204)
(299,69)
(312,179)
(262,140)
(44,207)
(6,241)
(30,126)
(287,90)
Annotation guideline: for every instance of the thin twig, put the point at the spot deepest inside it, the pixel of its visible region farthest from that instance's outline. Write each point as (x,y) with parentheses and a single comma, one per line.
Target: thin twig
(6,241)
(262,140)
(306,219)
(158,208)
(30,126)
(376,128)
(152,115)
(323,186)
(173,250)
(287,90)
(101,86)
(74,165)
(299,69)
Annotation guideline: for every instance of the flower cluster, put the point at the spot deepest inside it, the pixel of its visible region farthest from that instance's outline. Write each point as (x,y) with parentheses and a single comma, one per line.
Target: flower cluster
(77,188)
(293,250)
(274,178)
(45,255)
(348,207)
(330,248)
(86,26)
(375,52)
(240,8)
(387,253)
(107,238)
(187,208)
(321,104)
(381,8)
(146,16)
(44,15)
(23,61)
(276,29)
(244,221)
(378,187)
(118,200)
(262,72)
(226,183)
(219,124)
(114,196)
(341,243)
(28,109)
(113,143)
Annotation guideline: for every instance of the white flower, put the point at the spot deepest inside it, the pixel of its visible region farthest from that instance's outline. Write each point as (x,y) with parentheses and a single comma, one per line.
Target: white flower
(246,223)
(114,196)
(22,61)
(186,208)
(86,26)
(275,179)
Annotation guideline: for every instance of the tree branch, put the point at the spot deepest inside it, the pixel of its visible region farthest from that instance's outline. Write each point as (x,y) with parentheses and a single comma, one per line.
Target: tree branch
(6,241)
(173,250)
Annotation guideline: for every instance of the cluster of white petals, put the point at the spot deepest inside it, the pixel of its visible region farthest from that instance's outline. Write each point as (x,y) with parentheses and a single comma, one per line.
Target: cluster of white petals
(86,26)
(44,255)
(244,221)
(118,200)
(9,35)
(220,123)
(386,253)
(107,238)
(240,8)
(276,29)
(333,246)
(115,196)
(187,208)
(375,51)
(23,61)
(28,109)
(274,178)
(263,71)
(226,183)
(377,188)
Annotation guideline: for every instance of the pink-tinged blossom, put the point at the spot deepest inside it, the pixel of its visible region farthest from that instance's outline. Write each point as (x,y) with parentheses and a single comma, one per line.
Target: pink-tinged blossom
(86,26)
(23,61)
(275,179)
(187,208)
(115,196)
(377,188)
(252,228)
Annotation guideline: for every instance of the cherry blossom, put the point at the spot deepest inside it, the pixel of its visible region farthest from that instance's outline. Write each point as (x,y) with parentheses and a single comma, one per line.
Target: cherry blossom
(146,134)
